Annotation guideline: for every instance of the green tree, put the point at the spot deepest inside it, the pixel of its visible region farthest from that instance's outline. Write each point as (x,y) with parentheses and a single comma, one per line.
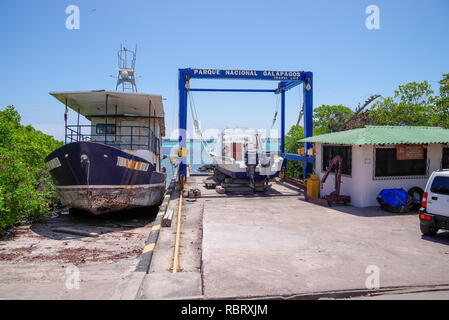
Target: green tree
(327,118)
(411,105)
(294,168)
(294,145)
(26,189)
(440,115)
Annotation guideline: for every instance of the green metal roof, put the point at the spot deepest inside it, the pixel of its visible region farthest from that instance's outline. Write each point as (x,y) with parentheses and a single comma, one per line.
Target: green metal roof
(384,135)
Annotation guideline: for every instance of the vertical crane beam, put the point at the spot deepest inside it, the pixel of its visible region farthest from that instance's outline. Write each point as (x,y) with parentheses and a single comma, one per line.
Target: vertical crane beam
(182,123)
(308,119)
(283,123)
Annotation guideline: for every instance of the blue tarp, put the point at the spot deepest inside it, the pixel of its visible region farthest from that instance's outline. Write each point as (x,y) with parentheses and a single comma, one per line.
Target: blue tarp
(393,197)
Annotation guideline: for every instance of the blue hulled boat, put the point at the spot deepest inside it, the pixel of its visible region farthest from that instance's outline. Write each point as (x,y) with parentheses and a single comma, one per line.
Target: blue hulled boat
(114,163)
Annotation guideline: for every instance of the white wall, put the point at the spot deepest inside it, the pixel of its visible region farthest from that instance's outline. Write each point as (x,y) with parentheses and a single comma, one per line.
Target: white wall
(362,186)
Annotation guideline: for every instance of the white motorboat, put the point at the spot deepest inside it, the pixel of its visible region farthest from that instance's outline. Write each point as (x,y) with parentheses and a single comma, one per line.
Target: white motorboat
(240,154)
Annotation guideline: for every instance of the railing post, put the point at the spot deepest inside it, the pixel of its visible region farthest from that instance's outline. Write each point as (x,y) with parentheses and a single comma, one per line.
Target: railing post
(115,132)
(78,129)
(106,121)
(149,124)
(131,138)
(65,122)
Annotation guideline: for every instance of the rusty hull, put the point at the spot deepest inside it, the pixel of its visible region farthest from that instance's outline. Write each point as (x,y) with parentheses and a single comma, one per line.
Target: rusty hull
(99,200)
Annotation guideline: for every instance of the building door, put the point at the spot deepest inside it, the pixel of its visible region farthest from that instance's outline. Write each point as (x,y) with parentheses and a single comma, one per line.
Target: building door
(445,162)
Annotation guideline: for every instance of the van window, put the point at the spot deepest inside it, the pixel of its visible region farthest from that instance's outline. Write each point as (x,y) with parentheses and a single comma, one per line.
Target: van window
(440,185)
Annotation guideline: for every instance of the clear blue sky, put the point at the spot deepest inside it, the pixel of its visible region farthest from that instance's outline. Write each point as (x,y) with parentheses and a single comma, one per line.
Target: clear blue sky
(38,54)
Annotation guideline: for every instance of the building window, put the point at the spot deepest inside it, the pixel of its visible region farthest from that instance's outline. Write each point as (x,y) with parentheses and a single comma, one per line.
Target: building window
(388,166)
(101,128)
(445,162)
(329,152)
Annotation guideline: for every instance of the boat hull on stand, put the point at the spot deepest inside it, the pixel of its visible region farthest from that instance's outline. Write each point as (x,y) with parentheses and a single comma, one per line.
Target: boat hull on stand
(100,178)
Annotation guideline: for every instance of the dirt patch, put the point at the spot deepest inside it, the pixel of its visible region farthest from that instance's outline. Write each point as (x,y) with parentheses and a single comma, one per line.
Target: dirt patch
(79,256)
(16,253)
(38,244)
(34,259)
(76,256)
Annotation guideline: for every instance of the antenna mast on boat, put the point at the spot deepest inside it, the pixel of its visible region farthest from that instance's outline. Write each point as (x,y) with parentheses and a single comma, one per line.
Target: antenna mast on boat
(126,69)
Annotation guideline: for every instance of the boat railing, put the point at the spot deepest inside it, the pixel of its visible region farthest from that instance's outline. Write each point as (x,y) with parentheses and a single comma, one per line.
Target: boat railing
(132,140)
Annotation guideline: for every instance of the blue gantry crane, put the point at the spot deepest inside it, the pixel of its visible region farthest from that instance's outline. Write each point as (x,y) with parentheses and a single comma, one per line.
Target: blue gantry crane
(286,81)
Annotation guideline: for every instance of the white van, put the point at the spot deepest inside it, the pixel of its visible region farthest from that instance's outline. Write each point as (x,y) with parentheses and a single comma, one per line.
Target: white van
(434,212)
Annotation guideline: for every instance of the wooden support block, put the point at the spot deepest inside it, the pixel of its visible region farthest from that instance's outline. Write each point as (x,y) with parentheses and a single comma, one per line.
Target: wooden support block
(166,221)
(76,232)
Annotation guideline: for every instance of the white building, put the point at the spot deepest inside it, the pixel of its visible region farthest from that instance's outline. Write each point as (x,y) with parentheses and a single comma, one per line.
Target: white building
(381,157)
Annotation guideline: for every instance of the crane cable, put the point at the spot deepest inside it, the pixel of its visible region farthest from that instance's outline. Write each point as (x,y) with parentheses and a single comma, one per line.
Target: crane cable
(278,99)
(196,121)
(297,122)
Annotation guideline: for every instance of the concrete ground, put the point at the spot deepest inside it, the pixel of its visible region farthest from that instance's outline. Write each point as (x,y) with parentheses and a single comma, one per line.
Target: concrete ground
(272,245)
(38,263)
(161,282)
(420,293)
(278,245)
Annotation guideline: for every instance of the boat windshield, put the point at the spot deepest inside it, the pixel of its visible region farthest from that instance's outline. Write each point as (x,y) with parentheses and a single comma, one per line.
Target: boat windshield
(120,136)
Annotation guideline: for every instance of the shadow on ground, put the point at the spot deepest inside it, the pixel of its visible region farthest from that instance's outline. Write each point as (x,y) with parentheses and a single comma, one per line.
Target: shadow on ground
(271,192)
(86,222)
(367,212)
(441,237)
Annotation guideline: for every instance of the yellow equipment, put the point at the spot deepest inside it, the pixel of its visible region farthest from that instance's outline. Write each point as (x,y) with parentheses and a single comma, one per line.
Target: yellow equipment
(181,152)
(282,173)
(310,152)
(313,186)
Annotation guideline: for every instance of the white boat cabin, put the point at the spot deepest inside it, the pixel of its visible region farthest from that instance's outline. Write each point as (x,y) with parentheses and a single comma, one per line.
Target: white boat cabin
(133,122)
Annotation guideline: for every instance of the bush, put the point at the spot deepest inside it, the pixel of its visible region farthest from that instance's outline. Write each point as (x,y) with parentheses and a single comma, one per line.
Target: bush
(26,189)
(294,168)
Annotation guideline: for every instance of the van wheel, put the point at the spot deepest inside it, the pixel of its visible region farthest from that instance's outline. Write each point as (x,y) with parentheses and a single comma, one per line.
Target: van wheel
(416,194)
(428,230)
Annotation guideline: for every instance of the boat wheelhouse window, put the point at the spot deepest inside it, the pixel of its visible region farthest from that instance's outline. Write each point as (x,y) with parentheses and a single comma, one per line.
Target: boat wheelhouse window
(445,162)
(329,152)
(387,165)
(102,128)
